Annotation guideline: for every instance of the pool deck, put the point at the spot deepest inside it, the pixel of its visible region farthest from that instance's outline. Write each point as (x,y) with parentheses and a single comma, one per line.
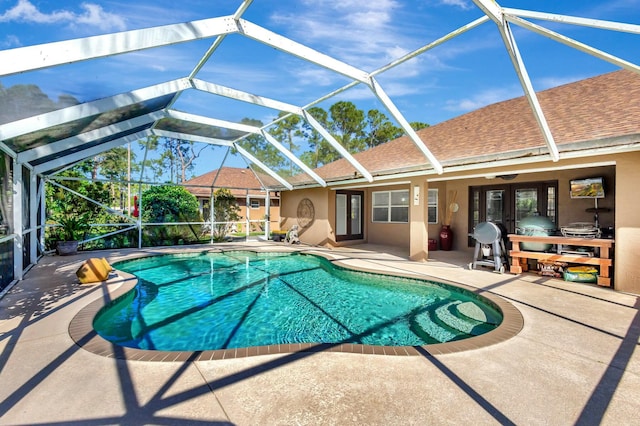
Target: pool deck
(575,361)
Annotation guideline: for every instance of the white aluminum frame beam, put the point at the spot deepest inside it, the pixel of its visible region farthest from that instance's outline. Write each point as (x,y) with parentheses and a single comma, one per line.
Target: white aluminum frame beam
(18,224)
(574,43)
(336,145)
(263,166)
(212,121)
(190,137)
(496,14)
(88,137)
(284,44)
(48,55)
(393,110)
(291,156)
(249,129)
(573,20)
(89,152)
(76,112)
(239,95)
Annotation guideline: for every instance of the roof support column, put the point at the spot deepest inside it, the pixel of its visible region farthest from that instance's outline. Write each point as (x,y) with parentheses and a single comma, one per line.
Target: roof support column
(43,214)
(18,226)
(418,234)
(267,215)
(33,219)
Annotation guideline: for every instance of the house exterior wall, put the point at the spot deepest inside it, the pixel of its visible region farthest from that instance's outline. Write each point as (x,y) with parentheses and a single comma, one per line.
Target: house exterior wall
(622,178)
(319,231)
(627,217)
(254,213)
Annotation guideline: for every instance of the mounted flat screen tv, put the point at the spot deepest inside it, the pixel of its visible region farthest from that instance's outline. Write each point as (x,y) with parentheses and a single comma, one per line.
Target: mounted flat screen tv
(587,188)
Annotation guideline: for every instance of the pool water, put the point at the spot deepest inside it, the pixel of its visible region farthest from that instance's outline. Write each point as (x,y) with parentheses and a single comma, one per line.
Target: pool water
(210,301)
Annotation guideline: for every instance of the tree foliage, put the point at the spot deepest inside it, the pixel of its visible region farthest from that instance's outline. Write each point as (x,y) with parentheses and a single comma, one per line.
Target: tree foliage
(169,204)
(226,209)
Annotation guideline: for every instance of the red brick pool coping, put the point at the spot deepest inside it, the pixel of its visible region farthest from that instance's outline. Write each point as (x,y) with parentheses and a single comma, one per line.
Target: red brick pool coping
(82,332)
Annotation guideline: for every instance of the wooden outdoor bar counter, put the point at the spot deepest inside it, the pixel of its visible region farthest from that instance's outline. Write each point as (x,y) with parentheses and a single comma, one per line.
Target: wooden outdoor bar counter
(601,257)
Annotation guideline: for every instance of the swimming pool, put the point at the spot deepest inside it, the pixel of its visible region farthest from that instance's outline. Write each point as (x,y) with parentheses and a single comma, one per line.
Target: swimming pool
(210,301)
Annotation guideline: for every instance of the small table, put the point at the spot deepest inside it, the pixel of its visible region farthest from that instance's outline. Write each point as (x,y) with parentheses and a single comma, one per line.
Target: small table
(603,258)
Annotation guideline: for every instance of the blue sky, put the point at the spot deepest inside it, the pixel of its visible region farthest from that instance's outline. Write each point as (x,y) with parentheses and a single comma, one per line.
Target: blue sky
(469,72)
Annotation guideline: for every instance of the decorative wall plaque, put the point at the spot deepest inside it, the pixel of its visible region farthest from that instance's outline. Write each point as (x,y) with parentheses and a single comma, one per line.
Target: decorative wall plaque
(306,212)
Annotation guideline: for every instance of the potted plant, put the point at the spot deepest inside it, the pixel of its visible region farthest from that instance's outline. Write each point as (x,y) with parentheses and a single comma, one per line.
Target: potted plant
(72,230)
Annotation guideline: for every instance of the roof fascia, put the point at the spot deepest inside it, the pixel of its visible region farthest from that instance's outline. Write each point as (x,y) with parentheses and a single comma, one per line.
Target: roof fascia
(393,110)
(336,145)
(41,56)
(525,81)
(574,20)
(273,141)
(88,137)
(574,43)
(284,44)
(189,137)
(87,109)
(263,166)
(89,152)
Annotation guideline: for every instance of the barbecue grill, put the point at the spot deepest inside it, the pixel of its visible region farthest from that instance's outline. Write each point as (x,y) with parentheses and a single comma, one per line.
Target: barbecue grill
(490,246)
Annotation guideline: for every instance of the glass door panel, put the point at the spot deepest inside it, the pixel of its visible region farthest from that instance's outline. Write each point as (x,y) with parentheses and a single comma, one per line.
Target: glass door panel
(349,221)
(495,206)
(526,203)
(356,214)
(341,214)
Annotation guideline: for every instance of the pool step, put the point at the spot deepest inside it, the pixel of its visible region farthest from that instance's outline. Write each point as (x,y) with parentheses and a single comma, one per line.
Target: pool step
(449,315)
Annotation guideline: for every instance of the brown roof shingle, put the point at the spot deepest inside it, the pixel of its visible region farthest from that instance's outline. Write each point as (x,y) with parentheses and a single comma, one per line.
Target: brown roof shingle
(229,177)
(597,108)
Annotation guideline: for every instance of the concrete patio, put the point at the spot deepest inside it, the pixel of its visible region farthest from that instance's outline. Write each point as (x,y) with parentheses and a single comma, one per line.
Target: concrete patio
(576,361)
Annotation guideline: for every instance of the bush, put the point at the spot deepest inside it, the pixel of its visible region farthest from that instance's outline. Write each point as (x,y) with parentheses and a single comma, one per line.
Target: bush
(168,203)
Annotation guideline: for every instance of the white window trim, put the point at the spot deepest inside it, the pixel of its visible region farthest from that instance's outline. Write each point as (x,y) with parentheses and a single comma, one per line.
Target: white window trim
(388,206)
(251,201)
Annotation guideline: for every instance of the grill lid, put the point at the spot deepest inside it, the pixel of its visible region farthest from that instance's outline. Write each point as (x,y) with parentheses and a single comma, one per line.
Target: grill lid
(486,232)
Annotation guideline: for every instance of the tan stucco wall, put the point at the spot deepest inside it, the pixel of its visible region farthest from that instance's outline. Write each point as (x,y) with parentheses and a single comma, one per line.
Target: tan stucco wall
(627,215)
(319,232)
(622,178)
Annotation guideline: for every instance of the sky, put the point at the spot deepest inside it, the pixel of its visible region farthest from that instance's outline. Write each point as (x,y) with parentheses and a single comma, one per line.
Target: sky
(466,73)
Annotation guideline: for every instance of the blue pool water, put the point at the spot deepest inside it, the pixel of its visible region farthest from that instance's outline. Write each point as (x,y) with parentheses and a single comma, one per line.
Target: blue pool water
(238,299)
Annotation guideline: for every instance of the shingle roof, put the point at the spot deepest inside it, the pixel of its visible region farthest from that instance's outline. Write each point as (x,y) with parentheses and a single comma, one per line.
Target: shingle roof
(228,177)
(589,110)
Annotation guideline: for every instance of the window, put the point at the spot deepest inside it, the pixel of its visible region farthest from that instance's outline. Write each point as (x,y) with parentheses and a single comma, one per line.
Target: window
(255,204)
(432,206)
(391,206)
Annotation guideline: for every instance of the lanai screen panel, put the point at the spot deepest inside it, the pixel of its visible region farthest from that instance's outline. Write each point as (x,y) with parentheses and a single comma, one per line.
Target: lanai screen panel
(68,129)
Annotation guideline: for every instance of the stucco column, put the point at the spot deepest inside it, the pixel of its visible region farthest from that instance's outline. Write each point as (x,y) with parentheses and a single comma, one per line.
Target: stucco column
(627,235)
(418,235)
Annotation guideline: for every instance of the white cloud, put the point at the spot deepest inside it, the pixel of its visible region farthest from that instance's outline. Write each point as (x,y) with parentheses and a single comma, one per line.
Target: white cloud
(462,4)
(10,41)
(483,98)
(92,15)
(549,82)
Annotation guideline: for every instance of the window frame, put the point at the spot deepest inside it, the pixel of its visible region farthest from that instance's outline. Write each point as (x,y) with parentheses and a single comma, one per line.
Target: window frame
(251,201)
(390,206)
(434,205)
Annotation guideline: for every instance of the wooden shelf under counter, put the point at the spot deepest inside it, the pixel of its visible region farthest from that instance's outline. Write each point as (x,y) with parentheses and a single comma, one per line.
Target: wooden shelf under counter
(603,258)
